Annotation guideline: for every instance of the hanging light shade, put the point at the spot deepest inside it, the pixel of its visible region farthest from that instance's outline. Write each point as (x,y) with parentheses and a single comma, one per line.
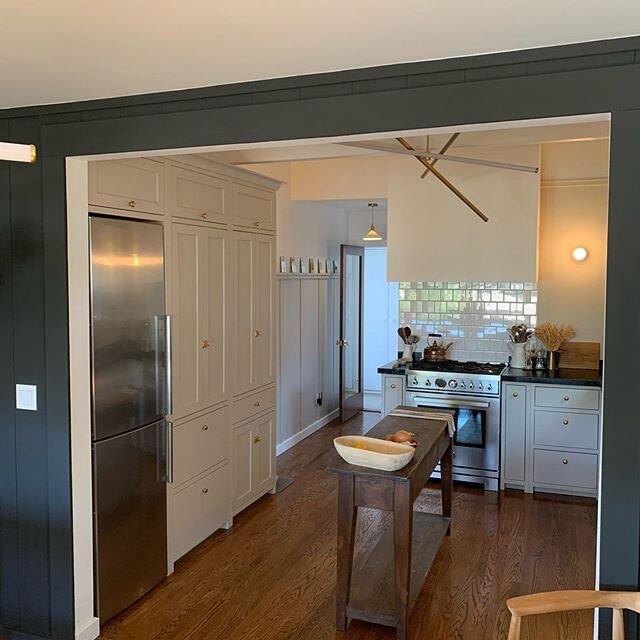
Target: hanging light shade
(372,235)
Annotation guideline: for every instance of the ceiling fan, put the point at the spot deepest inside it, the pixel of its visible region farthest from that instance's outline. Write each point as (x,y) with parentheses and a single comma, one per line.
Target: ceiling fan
(429,158)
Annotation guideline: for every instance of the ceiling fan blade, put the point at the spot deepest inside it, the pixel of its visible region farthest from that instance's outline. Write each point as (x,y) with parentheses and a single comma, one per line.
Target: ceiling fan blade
(444,181)
(440,156)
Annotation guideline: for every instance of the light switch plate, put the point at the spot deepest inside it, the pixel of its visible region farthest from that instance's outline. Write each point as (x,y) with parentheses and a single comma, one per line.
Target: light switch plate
(27,397)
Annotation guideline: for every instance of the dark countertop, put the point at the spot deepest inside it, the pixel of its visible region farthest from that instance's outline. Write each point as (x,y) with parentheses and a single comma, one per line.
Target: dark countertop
(583,377)
(571,377)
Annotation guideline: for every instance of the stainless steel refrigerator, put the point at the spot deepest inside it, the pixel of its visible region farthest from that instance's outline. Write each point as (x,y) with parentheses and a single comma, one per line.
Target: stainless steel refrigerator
(130,341)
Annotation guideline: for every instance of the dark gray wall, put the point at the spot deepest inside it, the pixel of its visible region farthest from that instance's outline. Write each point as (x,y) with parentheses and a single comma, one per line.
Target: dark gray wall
(36,589)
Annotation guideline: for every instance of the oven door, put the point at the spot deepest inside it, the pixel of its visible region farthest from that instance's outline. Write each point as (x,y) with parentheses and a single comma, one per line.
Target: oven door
(477,439)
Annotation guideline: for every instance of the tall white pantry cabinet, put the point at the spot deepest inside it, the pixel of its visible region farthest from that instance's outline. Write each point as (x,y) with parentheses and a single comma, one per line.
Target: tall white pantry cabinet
(220,224)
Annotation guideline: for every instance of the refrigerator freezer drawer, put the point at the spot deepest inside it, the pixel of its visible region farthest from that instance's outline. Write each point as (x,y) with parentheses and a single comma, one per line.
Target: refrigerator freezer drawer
(130,516)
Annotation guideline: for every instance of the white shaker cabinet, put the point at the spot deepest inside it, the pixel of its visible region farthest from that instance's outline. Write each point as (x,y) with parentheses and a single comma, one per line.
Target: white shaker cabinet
(393,388)
(253,311)
(514,443)
(254,207)
(200,317)
(131,184)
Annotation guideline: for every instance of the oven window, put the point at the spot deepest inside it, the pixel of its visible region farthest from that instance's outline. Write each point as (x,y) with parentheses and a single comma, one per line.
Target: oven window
(471,428)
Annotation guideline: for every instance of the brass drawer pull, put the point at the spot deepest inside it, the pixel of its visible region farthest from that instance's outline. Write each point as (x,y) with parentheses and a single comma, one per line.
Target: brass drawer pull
(565,461)
(256,404)
(204,215)
(257,333)
(132,204)
(565,422)
(205,344)
(257,439)
(205,427)
(205,490)
(256,223)
(566,398)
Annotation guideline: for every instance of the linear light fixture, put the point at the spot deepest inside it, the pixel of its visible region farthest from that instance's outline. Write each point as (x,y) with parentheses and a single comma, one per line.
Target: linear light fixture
(17,152)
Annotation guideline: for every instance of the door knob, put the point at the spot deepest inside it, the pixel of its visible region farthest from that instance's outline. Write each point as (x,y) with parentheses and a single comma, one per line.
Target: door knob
(257,333)
(256,223)
(257,439)
(205,344)
(256,404)
(205,427)
(565,422)
(342,343)
(393,386)
(205,490)
(132,204)
(515,394)
(204,215)
(566,398)
(565,461)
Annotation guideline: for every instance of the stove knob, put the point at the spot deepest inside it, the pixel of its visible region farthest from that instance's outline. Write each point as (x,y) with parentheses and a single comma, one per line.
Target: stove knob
(415,382)
(489,387)
(453,383)
(462,385)
(440,382)
(427,383)
(471,385)
(480,386)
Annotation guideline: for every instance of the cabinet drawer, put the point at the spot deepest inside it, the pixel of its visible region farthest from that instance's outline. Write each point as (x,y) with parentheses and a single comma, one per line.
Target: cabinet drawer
(198,510)
(198,196)
(566,429)
(200,444)
(254,404)
(567,397)
(135,184)
(561,468)
(254,208)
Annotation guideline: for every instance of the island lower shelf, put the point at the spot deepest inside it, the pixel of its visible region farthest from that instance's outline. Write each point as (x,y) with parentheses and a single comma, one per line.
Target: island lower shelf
(372,596)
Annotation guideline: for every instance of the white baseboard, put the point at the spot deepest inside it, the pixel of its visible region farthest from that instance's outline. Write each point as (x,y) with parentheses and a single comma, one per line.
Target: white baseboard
(90,631)
(306,432)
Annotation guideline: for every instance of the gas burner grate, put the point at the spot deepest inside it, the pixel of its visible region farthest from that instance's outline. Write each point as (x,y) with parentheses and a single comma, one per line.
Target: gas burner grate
(455,366)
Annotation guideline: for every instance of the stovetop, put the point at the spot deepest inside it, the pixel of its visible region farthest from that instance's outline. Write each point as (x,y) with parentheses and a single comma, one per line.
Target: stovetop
(456,366)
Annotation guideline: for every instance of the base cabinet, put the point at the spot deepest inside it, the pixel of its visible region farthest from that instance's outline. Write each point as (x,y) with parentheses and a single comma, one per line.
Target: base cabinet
(550,438)
(253,460)
(393,388)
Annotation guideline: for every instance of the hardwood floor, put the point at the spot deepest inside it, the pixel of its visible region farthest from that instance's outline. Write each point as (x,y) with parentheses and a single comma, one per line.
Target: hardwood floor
(272,576)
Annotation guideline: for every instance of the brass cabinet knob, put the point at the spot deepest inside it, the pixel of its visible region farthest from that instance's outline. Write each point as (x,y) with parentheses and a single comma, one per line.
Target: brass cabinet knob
(204,215)
(205,490)
(256,404)
(205,427)
(256,223)
(257,333)
(257,439)
(515,394)
(132,204)
(393,386)
(566,398)
(565,422)
(205,344)
(565,461)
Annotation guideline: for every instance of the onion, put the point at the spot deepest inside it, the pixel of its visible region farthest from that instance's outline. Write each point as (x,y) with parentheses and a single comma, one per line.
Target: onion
(403,437)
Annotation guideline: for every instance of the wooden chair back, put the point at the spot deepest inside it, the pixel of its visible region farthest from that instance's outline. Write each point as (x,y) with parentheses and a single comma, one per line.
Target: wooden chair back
(557,601)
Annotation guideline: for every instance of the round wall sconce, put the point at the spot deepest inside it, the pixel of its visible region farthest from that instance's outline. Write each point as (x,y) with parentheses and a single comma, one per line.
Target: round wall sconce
(579,254)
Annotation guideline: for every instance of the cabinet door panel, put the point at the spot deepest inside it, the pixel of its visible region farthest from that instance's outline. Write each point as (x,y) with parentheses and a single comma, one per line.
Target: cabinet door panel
(263,458)
(187,322)
(253,207)
(135,184)
(198,196)
(393,393)
(243,312)
(515,417)
(214,309)
(264,342)
(243,465)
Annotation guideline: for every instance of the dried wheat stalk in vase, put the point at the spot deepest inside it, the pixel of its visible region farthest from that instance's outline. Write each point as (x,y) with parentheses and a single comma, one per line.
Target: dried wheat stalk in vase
(553,336)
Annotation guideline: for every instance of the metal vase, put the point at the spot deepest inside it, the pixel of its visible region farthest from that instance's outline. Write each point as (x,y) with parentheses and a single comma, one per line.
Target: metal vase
(553,360)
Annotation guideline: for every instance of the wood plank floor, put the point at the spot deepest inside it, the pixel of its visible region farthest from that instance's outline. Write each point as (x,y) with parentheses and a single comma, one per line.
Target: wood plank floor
(272,577)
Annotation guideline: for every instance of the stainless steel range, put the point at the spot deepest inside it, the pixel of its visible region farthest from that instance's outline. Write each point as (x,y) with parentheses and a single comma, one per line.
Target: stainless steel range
(472,390)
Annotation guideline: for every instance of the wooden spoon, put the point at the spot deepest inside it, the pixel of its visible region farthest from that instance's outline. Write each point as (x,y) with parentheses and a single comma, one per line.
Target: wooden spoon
(402,336)
(407,333)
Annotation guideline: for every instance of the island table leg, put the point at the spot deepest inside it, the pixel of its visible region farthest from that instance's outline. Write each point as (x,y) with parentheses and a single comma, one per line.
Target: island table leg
(347,514)
(446,482)
(402,540)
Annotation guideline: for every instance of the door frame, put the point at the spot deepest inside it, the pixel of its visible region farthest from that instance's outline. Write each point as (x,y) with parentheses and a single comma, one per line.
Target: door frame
(355,402)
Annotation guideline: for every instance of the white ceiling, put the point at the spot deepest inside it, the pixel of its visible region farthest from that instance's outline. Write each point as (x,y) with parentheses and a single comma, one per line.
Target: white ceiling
(75,50)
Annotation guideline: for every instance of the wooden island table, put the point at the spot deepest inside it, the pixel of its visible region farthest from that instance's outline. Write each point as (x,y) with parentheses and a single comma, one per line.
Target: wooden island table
(385,581)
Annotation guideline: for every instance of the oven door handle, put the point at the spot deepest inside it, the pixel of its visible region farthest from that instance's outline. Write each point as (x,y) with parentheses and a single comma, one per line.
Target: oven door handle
(452,404)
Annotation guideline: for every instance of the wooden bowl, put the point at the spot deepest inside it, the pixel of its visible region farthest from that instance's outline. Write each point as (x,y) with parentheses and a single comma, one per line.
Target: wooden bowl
(373,452)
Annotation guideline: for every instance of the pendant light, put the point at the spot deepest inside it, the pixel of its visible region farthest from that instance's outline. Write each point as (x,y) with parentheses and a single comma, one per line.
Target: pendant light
(373,235)
(17,152)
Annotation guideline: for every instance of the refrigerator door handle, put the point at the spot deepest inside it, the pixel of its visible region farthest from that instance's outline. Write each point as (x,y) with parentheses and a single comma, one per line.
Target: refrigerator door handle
(169,426)
(168,368)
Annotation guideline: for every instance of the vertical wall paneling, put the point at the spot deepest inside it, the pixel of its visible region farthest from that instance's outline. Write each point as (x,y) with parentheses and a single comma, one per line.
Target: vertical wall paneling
(290,373)
(9,598)
(310,350)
